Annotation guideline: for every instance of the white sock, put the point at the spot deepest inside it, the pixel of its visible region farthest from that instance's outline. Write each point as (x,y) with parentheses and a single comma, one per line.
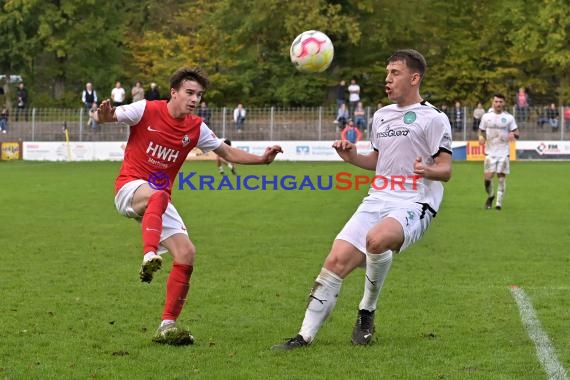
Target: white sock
(322,301)
(501,190)
(230,165)
(166,322)
(377,267)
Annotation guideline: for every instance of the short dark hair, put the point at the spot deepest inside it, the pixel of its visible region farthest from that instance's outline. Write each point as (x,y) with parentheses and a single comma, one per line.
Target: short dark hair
(413,59)
(183,74)
(499,95)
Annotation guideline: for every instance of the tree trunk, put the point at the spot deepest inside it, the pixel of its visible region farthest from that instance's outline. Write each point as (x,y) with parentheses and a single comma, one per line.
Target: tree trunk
(59,88)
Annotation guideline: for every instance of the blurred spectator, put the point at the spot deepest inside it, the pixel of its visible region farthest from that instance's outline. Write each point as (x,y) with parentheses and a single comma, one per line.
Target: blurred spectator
(92,122)
(522,105)
(4,120)
(239,117)
(446,111)
(137,92)
(351,132)
(342,117)
(341,93)
(542,119)
(353,95)
(89,96)
(205,113)
(567,114)
(360,116)
(478,113)
(457,116)
(553,116)
(22,101)
(153,93)
(118,95)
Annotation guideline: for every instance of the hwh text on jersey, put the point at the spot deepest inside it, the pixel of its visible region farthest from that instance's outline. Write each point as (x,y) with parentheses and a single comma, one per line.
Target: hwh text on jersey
(161,152)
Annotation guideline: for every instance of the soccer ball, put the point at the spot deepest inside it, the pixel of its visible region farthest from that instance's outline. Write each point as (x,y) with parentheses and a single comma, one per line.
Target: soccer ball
(312,51)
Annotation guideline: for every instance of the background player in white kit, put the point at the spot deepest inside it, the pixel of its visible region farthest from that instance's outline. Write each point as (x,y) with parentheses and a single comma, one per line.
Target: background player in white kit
(410,138)
(496,130)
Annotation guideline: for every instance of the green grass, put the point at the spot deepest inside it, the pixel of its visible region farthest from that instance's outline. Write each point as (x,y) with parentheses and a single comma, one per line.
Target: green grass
(72,305)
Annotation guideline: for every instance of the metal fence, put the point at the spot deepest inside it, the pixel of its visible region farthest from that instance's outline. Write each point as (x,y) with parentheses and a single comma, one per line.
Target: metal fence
(261,124)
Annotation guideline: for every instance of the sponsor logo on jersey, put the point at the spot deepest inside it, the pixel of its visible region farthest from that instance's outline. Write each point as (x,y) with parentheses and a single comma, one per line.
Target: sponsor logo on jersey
(393,132)
(409,117)
(162,152)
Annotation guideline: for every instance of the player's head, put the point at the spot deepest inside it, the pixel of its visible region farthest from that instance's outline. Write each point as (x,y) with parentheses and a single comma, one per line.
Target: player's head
(404,74)
(413,59)
(187,86)
(498,102)
(185,74)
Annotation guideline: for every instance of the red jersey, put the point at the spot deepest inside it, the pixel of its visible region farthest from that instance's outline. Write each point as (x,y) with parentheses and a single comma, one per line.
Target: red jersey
(158,142)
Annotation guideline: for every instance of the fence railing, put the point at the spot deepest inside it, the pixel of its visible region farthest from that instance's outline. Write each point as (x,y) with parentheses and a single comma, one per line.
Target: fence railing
(262,124)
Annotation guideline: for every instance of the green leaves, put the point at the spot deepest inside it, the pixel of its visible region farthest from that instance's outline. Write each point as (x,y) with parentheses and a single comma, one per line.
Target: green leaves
(473,48)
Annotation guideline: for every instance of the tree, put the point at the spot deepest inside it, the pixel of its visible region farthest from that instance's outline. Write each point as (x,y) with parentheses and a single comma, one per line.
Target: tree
(18,39)
(473,49)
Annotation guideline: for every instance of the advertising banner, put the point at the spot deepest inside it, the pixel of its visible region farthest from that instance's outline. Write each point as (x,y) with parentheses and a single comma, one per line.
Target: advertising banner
(476,151)
(10,151)
(292,150)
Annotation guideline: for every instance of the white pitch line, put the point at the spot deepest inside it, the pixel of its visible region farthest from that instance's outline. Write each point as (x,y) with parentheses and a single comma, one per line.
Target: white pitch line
(544,349)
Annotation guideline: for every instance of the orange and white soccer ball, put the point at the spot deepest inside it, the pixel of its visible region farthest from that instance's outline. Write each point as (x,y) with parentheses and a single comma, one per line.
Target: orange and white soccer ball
(312,51)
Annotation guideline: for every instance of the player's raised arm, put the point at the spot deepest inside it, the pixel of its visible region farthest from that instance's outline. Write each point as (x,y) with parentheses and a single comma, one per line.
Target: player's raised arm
(239,156)
(440,170)
(105,112)
(348,152)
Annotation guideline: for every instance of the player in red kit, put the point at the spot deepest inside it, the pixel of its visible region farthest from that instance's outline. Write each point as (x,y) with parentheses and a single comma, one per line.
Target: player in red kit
(162,133)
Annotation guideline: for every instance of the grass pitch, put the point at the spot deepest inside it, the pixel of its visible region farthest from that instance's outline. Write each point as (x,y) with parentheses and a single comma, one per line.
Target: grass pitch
(73,307)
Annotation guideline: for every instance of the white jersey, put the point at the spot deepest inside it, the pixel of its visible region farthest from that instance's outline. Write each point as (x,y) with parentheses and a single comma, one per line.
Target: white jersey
(400,134)
(497,127)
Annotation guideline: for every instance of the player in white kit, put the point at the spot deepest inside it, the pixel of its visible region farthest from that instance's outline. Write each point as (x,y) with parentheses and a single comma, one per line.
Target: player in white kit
(496,130)
(411,156)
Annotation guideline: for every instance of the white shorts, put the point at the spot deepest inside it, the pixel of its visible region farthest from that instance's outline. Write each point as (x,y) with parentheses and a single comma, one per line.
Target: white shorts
(497,164)
(171,220)
(415,219)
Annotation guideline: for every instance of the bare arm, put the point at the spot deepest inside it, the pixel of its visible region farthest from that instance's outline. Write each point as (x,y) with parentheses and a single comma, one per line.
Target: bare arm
(482,136)
(105,113)
(439,171)
(239,156)
(347,151)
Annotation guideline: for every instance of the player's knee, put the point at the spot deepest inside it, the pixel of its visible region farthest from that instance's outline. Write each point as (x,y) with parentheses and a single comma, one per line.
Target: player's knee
(184,254)
(338,264)
(382,242)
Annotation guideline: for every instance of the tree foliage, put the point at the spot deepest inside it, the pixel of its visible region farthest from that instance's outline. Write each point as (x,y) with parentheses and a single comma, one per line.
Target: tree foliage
(473,48)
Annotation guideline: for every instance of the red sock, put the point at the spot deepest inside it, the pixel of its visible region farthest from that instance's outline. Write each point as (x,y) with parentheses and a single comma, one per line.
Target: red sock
(176,290)
(152,221)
